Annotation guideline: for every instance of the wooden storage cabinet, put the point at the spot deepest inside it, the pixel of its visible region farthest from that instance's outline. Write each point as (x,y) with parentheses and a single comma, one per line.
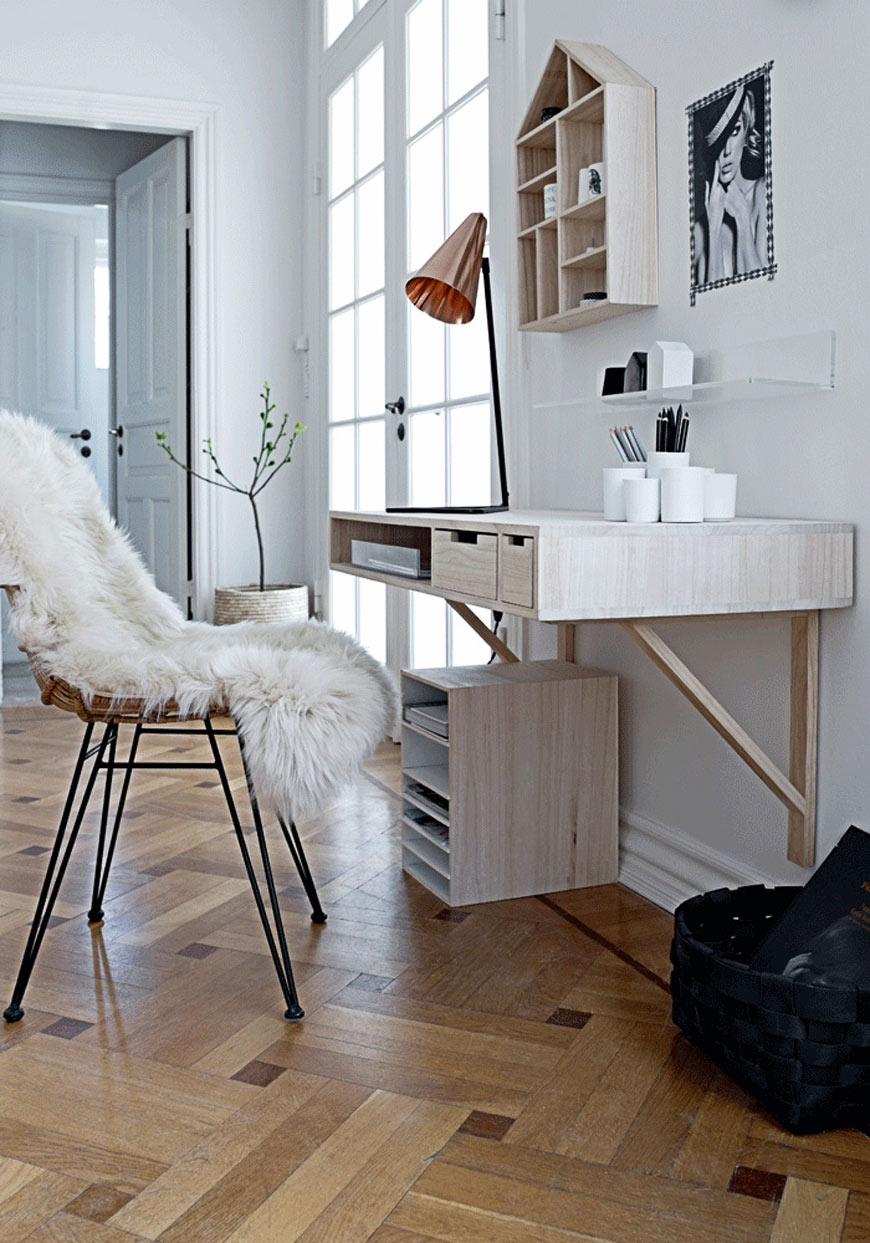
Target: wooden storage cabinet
(521,797)
(604,244)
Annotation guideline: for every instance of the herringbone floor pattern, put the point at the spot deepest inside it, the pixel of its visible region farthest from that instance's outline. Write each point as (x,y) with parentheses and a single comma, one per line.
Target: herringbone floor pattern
(505,1073)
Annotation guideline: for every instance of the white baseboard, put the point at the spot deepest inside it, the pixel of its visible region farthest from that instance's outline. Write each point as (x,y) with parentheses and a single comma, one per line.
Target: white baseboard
(667,866)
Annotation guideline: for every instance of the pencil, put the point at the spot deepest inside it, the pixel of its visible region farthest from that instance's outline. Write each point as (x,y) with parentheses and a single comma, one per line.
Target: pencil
(619,448)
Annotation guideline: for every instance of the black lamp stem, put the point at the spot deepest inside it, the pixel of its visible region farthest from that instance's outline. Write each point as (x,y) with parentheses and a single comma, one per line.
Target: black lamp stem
(496,396)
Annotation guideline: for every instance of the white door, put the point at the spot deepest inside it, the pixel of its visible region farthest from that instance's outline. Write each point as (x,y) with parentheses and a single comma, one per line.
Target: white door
(48,366)
(398,180)
(151,365)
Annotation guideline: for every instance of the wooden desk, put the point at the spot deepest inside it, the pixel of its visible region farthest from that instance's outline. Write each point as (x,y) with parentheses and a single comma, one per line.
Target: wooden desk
(565,567)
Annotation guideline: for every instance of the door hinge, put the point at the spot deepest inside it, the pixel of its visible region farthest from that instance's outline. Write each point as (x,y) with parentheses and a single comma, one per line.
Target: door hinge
(498,14)
(316,182)
(187,220)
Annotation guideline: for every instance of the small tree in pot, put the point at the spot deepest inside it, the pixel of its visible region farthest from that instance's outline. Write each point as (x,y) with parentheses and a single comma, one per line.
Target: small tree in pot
(262,601)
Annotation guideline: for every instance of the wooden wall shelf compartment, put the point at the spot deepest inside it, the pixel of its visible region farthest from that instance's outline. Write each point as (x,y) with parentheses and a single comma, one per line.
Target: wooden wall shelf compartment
(604,244)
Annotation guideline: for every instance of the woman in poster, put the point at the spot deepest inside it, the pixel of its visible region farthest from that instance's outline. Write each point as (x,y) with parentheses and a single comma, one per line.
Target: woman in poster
(730,234)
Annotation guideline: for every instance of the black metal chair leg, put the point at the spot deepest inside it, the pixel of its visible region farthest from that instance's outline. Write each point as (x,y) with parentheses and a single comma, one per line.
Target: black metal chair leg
(283,968)
(104,815)
(294,845)
(101,871)
(52,883)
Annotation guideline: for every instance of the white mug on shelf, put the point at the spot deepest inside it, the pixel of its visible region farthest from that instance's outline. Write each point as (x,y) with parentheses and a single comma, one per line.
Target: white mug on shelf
(613,476)
(591,182)
(658,461)
(720,498)
(551,203)
(683,494)
(641,497)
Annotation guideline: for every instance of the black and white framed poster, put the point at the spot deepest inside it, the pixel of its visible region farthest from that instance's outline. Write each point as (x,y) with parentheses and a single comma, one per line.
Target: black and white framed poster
(730,192)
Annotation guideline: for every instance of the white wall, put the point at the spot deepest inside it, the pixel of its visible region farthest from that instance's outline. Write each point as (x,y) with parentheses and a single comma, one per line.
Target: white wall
(246,59)
(803,457)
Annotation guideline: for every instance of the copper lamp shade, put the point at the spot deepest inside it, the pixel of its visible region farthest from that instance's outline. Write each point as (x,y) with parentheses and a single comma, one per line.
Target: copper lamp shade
(446,285)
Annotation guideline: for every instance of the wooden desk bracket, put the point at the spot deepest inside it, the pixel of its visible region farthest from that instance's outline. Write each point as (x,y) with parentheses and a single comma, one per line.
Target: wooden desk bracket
(480,628)
(797,792)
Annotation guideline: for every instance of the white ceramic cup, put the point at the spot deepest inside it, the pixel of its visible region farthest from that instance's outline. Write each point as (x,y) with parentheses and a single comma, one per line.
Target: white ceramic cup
(683,494)
(720,498)
(641,498)
(551,203)
(657,462)
(613,476)
(582,185)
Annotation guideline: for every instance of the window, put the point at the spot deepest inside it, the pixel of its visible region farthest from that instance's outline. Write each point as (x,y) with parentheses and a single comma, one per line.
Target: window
(398,180)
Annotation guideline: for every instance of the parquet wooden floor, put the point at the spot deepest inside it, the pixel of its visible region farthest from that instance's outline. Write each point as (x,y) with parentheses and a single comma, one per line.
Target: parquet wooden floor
(507,1072)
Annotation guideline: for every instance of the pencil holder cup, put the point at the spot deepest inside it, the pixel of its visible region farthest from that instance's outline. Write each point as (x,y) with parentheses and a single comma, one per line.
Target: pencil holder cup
(614,504)
(658,462)
(683,494)
(641,498)
(720,498)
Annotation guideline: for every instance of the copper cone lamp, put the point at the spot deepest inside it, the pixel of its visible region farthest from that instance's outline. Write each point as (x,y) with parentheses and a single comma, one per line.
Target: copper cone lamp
(446,288)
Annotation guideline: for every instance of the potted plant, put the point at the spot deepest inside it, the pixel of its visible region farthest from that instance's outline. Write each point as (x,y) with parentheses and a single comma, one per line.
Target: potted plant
(260,601)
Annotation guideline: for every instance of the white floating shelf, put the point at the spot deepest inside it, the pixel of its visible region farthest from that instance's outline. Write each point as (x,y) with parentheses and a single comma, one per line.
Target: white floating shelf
(791,367)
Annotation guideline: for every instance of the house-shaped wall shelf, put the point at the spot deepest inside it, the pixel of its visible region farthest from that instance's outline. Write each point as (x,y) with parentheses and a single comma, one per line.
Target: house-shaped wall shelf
(603,244)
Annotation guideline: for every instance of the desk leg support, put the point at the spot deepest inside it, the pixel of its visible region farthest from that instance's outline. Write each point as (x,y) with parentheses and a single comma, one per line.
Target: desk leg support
(480,628)
(803,743)
(796,792)
(567,640)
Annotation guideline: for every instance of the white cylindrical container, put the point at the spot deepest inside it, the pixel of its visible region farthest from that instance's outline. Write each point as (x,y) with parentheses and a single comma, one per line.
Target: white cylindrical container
(551,202)
(683,494)
(720,498)
(657,462)
(613,476)
(641,497)
(582,185)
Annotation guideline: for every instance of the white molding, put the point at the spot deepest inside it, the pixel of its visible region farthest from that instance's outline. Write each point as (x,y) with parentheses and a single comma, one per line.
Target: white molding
(39,187)
(199,122)
(667,866)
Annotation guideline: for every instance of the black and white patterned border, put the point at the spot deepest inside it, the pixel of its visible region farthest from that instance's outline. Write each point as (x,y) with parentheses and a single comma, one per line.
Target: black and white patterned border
(770,269)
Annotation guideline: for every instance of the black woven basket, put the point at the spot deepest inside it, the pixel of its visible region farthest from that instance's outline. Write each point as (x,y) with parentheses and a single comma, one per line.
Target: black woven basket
(802,1050)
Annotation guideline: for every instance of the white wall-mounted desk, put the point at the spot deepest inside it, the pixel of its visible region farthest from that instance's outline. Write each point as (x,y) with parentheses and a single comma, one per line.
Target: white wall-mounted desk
(566,567)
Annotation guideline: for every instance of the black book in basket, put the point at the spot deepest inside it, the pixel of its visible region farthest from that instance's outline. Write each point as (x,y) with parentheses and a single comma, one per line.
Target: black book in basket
(824,935)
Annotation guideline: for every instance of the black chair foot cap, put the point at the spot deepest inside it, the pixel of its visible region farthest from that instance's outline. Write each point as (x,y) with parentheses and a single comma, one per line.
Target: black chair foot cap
(294,1013)
(95,916)
(318,917)
(13,1013)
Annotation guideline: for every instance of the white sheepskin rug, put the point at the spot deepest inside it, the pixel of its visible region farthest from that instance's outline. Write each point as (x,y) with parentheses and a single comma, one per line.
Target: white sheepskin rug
(310,703)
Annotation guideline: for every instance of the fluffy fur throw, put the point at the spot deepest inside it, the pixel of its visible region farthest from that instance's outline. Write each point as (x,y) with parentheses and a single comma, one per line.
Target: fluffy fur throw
(310,703)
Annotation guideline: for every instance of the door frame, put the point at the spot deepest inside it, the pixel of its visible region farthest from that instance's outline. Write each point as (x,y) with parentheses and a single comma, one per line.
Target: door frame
(198,122)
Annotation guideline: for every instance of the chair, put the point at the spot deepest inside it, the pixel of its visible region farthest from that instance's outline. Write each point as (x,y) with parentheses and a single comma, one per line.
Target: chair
(308,704)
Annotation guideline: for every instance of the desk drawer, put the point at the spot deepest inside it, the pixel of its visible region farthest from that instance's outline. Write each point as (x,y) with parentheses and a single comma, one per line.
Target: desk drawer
(466,562)
(517,560)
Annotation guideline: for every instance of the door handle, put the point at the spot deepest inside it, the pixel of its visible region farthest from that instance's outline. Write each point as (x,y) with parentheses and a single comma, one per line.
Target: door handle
(116,431)
(396,407)
(84,434)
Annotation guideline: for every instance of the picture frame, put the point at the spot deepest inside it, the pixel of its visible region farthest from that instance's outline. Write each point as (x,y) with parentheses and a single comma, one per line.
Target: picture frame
(730,184)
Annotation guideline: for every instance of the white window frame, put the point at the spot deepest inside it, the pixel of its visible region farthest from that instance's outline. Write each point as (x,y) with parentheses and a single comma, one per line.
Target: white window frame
(506,102)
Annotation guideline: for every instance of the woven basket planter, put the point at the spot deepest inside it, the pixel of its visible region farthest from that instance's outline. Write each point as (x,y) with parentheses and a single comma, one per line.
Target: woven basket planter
(280,602)
(803,1050)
